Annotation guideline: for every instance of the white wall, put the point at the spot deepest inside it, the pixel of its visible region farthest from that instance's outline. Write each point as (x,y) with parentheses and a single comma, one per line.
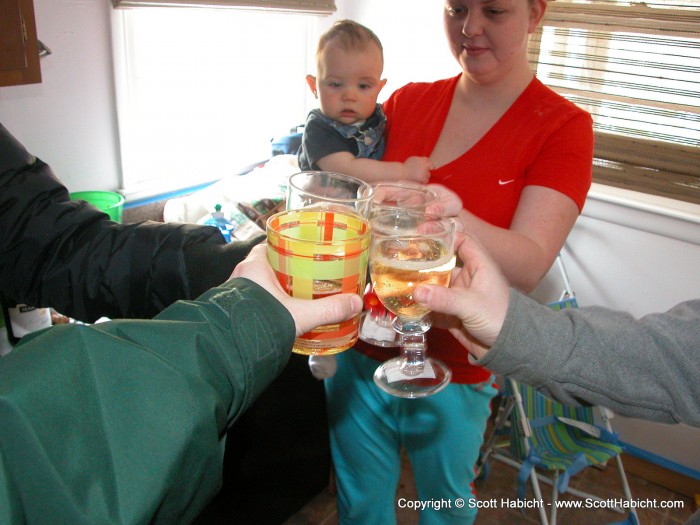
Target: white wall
(69,121)
(415,48)
(640,254)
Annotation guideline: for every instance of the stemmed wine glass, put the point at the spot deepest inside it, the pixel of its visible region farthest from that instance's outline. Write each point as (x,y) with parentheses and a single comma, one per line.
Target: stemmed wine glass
(408,249)
(376,325)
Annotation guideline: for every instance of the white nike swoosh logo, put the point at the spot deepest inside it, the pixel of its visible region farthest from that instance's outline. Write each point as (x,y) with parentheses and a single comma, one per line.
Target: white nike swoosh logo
(504,182)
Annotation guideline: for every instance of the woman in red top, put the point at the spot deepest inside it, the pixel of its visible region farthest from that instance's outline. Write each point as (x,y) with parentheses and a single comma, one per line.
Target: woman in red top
(520,158)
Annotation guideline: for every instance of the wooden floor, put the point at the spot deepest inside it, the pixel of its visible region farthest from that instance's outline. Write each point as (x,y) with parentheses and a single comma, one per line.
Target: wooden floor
(501,484)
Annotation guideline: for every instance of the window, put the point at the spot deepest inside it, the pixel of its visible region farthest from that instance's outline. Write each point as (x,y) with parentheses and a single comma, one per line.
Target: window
(297,6)
(201,92)
(636,68)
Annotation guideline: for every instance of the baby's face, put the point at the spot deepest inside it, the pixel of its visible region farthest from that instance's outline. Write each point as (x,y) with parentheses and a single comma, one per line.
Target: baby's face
(349,82)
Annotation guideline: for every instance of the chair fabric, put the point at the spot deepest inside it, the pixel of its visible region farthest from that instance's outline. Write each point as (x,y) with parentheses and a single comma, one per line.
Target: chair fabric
(563,438)
(555,444)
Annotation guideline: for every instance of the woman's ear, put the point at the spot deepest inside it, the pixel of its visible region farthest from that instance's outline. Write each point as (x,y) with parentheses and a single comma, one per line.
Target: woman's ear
(311,81)
(537,9)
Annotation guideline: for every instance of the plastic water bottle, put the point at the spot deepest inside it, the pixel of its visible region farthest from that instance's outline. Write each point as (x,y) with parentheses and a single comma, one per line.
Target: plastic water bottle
(217,218)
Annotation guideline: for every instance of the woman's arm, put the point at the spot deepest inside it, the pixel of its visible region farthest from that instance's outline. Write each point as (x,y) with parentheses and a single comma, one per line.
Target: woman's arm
(525,252)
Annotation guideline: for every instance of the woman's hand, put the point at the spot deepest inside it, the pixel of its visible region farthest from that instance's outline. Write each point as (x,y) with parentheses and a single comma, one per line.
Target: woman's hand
(307,314)
(448,204)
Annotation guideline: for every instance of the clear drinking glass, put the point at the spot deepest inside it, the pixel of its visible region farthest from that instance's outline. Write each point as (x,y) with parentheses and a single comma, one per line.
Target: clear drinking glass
(376,326)
(329,190)
(408,249)
(325,192)
(401,196)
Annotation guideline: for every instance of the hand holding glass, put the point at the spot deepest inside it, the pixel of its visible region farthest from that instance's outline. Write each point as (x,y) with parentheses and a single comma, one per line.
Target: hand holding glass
(408,249)
(317,252)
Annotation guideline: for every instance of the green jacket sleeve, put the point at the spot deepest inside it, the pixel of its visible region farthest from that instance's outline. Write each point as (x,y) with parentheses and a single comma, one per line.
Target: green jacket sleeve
(125,422)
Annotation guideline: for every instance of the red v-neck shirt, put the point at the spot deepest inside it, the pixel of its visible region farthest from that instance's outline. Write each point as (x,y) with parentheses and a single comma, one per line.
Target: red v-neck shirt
(542,140)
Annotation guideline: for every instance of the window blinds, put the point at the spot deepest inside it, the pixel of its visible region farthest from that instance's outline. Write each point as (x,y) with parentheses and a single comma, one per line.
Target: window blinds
(321,7)
(636,68)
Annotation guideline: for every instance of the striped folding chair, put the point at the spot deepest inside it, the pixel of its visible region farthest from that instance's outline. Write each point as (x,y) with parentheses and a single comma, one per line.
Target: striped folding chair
(561,440)
(552,442)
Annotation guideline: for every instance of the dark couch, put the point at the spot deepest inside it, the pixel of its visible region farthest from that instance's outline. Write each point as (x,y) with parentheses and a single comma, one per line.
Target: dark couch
(280,458)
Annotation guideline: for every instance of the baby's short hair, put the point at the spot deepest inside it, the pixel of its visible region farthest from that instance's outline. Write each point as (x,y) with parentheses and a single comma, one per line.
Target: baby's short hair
(350,35)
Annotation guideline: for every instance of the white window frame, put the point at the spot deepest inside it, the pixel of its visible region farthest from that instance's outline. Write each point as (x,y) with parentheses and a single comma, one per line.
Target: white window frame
(144,178)
(317,7)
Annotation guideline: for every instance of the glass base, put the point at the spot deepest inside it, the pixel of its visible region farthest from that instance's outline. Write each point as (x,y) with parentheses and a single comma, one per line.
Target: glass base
(391,378)
(323,347)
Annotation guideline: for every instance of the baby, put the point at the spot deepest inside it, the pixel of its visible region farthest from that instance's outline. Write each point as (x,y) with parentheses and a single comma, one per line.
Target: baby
(346,134)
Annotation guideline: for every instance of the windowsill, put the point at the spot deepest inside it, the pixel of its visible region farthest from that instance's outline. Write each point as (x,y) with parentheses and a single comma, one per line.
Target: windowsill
(155,193)
(140,197)
(660,215)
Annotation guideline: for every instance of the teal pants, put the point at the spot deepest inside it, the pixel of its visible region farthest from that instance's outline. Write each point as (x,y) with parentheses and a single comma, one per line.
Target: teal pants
(441,434)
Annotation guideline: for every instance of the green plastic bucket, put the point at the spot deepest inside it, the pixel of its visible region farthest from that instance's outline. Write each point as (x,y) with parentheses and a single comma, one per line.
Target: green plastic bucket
(109,202)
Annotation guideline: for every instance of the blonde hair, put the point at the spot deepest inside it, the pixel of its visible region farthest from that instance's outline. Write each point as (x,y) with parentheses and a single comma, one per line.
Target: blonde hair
(351,36)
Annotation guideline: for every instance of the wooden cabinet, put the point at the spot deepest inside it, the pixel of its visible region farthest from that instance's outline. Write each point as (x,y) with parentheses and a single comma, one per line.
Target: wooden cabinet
(19,46)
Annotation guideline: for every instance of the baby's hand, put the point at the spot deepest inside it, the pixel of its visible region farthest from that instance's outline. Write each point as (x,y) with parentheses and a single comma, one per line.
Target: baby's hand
(417,169)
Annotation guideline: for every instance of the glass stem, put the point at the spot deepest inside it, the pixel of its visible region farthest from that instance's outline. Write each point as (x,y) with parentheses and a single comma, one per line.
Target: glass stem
(414,345)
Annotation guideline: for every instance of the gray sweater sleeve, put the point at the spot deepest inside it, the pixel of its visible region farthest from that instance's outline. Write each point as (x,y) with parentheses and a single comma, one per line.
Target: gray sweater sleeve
(647,368)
